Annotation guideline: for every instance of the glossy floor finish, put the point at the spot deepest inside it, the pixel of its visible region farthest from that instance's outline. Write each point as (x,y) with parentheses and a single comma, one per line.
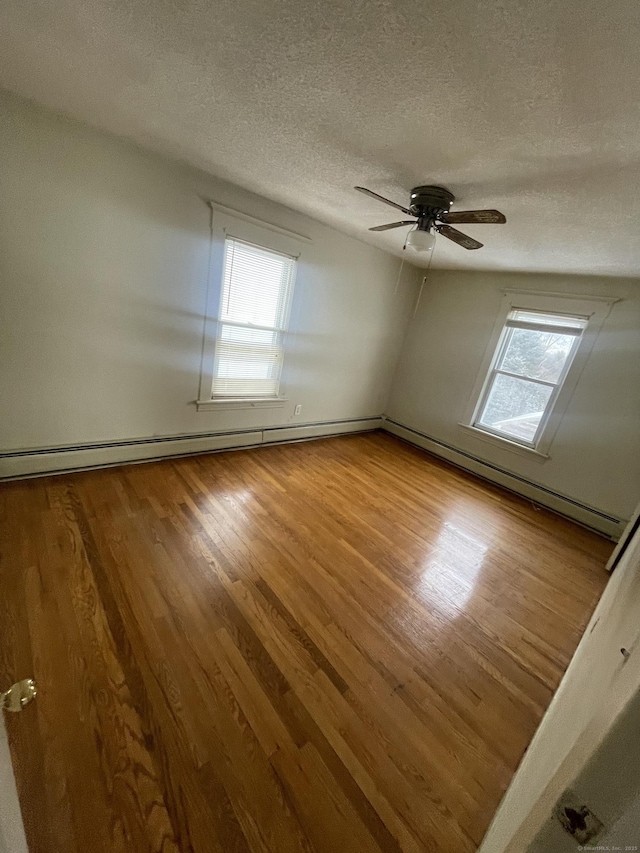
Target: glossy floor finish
(341,645)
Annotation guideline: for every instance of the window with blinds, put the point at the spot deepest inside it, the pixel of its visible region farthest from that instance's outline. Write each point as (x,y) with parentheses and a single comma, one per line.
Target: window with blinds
(257,286)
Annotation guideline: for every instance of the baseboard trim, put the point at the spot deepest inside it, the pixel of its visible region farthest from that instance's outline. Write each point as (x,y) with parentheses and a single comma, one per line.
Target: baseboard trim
(20,464)
(563,505)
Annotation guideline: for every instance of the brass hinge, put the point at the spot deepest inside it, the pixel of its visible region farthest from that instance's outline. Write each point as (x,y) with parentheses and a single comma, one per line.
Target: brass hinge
(18,695)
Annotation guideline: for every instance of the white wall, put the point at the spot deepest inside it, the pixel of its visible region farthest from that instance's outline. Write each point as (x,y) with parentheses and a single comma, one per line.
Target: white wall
(104,254)
(595,455)
(609,785)
(624,830)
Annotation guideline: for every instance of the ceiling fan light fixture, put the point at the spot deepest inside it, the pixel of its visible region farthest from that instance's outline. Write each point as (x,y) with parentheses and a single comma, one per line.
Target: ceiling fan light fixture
(431,207)
(420,241)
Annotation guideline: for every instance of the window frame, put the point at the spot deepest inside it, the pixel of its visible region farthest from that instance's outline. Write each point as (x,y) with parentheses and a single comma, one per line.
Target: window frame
(279,331)
(593,309)
(228,224)
(495,370)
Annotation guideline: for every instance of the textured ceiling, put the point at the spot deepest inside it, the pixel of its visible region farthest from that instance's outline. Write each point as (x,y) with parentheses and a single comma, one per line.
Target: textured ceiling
(530,106)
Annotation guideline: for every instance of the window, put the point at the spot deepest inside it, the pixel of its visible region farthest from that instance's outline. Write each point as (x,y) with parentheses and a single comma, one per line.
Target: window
(257,286)
(531,361)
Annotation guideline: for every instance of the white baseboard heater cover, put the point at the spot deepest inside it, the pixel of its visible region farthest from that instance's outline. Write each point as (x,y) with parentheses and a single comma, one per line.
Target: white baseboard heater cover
(58,460)
(586,515)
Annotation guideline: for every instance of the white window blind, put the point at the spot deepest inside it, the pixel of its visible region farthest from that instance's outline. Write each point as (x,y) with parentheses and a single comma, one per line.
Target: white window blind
(530,364)
(257,286)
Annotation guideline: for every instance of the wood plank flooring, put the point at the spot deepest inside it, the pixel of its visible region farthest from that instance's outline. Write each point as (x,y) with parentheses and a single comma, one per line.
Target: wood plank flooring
(337,646)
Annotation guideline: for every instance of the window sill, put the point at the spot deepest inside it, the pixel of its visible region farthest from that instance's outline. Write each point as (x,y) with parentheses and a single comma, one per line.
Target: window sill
(225,403)
(505,444)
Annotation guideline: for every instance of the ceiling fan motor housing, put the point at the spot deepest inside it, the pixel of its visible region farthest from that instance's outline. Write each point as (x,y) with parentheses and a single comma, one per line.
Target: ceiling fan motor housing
(428,203)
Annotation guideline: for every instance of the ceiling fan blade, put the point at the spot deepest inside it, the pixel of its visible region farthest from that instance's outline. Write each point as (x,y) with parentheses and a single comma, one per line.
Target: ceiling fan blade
(458,237)
(481,217)
(382,198)
(393,225)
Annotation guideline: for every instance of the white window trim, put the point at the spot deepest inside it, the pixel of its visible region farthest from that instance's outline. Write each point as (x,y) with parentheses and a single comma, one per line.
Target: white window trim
(227,223)
(505,443)
(218,404)
(596,308)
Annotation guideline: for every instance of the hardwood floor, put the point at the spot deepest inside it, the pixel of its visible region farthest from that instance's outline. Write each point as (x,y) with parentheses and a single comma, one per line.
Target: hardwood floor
(341,645)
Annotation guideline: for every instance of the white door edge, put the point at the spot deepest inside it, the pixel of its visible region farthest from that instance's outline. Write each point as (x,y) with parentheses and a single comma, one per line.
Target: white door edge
(12,838)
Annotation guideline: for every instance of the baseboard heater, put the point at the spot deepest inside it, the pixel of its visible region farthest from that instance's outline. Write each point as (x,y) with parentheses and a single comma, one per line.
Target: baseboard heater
(586,515)
(20,464)
(59,460)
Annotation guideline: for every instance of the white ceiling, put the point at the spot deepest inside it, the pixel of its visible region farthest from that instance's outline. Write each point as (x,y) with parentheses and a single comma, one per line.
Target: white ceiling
(530,106)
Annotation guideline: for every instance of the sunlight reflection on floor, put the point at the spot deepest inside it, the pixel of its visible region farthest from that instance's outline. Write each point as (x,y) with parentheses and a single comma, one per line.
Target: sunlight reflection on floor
(452,568)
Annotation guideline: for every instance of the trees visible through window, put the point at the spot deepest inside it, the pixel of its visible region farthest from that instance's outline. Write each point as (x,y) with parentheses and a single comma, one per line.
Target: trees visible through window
(529,366)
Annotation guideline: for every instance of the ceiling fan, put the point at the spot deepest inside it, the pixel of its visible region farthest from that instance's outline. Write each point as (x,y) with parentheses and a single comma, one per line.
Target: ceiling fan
(430,207)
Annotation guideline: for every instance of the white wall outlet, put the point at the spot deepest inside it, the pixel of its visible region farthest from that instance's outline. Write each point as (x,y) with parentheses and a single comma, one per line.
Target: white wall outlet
(297,410)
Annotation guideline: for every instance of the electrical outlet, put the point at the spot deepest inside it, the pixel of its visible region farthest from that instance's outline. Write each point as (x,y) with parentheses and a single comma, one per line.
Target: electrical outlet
(297,410)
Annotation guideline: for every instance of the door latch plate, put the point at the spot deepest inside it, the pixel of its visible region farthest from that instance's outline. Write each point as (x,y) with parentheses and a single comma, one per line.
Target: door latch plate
(577,818)
(18,695)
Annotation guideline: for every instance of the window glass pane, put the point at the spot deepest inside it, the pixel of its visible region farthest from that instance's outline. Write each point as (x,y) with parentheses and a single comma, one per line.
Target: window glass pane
(248,362)
(515,407)
(238,368)
(549,319)
(248,354)
(245,335)
(256,285)
(539,355)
